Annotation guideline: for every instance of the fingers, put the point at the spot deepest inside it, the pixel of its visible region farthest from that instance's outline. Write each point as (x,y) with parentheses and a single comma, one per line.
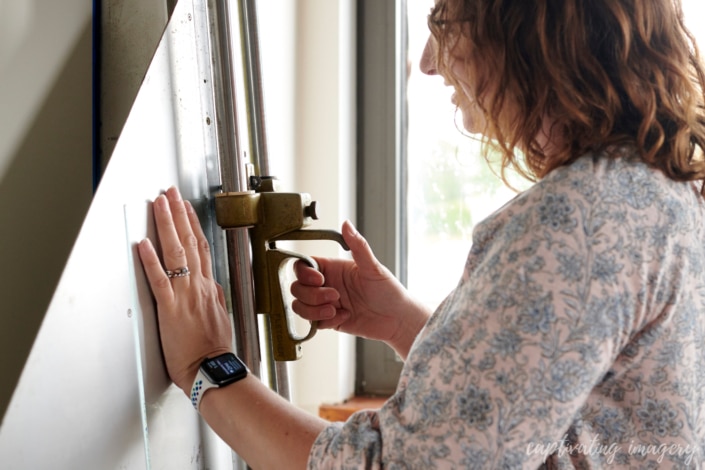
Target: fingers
(183,244)
(175,256)
(361,252)
(308,275)
(204,250)
(158,280)
(335,323)
(313,312)
(172,251)
(179,244)
(328,316)
(314,303)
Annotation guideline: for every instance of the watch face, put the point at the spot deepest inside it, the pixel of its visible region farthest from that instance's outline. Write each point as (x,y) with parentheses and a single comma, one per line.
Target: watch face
(224,369)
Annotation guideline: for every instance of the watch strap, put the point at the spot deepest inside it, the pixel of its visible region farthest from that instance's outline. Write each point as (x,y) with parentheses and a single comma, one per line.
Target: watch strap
(200,386)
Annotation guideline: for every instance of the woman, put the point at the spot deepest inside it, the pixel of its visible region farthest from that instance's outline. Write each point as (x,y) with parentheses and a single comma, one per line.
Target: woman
(575,336)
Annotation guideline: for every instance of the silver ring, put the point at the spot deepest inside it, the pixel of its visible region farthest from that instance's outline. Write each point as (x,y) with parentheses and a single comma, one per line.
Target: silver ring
(180,272)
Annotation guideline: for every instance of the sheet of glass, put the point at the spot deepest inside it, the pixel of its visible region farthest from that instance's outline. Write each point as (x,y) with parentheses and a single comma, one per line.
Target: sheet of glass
(94,392)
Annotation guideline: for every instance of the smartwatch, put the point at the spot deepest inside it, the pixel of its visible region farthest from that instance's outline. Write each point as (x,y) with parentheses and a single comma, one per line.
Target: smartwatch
(216,372)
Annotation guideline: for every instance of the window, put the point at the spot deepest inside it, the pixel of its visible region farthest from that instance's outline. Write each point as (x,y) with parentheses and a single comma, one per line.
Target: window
(424,183)
(450,186)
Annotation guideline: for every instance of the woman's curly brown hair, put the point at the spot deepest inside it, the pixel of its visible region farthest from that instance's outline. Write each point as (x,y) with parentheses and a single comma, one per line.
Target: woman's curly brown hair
(607,73)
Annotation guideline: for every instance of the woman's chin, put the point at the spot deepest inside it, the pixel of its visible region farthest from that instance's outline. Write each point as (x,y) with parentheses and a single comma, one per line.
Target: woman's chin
(471,125)
(470,120)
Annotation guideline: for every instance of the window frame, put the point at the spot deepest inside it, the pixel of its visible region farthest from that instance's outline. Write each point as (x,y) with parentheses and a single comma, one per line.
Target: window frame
(381,154)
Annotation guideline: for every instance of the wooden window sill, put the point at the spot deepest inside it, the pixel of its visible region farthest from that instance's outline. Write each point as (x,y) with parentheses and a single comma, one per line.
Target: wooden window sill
(342,411)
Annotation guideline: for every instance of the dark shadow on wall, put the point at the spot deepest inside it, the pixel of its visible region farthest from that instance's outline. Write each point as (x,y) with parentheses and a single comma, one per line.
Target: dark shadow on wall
(44,197)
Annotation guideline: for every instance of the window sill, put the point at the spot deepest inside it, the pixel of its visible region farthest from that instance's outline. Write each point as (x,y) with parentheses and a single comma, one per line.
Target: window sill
(342,411)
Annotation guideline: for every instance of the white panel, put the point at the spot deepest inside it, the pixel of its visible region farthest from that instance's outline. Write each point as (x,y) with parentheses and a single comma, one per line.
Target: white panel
(94,392)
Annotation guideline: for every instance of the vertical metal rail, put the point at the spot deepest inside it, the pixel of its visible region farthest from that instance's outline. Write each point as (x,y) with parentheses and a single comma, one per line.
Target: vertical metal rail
(278,374)
(233,161)
(233,179)
(253,83)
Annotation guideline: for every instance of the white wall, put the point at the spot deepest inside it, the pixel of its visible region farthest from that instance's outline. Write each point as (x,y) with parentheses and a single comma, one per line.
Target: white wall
(308,68)
(45,162)
(36,39)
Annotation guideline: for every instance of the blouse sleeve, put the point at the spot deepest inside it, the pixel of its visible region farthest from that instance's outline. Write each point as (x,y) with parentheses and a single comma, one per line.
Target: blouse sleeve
(549,297)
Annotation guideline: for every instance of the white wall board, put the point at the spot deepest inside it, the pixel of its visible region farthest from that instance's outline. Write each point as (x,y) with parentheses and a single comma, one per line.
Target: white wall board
(94,393)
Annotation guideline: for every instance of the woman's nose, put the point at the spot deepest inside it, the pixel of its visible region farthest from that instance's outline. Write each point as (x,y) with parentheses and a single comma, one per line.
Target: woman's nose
(428,58)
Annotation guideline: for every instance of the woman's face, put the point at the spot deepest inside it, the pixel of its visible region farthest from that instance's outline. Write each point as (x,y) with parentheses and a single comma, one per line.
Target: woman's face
(463,72)
(457,73)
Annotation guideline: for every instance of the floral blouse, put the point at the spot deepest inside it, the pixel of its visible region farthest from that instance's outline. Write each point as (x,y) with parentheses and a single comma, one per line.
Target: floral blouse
(573,340)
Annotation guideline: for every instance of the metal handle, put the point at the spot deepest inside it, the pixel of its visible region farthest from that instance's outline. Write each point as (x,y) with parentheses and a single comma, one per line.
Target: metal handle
(286,342)
(272,217)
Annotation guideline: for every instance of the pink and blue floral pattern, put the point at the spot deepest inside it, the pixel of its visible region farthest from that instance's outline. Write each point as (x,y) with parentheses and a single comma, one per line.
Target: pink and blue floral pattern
(575,338)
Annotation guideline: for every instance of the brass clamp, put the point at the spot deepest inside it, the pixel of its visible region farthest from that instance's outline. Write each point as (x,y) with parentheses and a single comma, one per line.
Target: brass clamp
(270,217)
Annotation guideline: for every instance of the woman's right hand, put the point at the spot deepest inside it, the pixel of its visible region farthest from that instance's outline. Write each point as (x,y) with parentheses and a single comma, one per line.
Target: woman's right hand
(359,297)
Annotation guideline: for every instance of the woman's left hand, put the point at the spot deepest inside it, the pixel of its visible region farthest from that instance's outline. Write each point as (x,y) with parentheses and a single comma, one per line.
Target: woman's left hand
(193,320)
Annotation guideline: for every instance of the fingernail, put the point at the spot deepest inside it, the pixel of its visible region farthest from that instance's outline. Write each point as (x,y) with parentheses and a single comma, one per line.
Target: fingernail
(343,317)
(327,312)
(160,202)
(189,207)
(176,195)
(144,244)
(353,230)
